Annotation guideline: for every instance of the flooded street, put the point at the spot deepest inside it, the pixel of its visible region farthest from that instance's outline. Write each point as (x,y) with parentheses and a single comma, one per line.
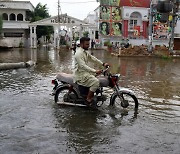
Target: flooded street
(31,123)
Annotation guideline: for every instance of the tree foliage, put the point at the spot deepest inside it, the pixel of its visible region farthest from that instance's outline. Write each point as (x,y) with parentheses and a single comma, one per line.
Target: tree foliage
(41,12)
(86,34)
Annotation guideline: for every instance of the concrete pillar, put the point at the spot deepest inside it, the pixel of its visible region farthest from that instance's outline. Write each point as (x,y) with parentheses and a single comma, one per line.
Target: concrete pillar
(70,34)
(125,28)
(145,29)
(30,36)
(56,45)
(33,37)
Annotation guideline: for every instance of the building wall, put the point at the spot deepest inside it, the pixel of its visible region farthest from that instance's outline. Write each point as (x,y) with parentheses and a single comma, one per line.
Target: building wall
(15,30)
(16,12)
(177,28)
(127,11)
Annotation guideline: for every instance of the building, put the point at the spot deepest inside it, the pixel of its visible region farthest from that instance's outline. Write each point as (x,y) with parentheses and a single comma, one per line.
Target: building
(93,28)
(16,21)
(68,27)
(133,23)
(18,31)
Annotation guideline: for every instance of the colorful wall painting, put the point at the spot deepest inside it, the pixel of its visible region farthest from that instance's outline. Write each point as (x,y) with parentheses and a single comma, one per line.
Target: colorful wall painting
(110,21)
(161,31)
(110,2)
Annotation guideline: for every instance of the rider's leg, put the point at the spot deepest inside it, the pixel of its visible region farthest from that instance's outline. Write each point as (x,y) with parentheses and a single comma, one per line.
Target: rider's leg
(93,83)
(93,87)
(90,96)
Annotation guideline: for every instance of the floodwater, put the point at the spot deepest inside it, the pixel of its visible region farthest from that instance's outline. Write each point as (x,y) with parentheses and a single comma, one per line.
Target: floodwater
(31,123)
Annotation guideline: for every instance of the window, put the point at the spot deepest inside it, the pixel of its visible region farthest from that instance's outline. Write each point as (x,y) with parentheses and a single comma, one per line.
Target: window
(52,21)
(5,16)
(132,23)
(20,17)
(12,16)
(13,34)
(135,20)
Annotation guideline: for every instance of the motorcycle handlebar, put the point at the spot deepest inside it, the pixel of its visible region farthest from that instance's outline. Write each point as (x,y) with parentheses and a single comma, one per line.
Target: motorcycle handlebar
(104,71)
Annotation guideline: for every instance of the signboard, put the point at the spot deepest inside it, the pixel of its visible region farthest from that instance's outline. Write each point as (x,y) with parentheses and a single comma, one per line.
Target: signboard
(161,31)
(110,21)
(137,30)
(135,3)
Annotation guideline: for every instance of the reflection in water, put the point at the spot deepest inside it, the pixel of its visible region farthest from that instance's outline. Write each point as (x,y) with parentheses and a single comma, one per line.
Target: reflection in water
(28,115)
(33,55)
(91,131)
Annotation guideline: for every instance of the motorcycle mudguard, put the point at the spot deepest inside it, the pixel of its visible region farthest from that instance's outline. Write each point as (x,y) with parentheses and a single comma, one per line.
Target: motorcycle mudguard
(125,90)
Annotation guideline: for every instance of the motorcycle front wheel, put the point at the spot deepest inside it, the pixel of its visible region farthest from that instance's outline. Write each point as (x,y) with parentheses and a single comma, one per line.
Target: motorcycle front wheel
(65,95)
(124,100)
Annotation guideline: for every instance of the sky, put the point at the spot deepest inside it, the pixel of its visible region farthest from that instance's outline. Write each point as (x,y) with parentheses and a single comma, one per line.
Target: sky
(75,8)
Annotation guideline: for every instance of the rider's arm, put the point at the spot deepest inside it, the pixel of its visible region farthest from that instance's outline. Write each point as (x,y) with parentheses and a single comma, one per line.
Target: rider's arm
(95,60)
(80,60)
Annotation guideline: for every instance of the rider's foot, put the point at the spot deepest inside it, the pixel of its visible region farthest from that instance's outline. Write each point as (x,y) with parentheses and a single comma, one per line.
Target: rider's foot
(91,104)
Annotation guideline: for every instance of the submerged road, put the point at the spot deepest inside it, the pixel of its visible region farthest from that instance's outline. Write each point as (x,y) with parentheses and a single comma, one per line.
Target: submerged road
(31,123)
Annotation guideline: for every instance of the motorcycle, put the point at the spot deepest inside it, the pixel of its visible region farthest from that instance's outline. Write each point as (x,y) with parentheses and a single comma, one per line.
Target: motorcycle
(65,91)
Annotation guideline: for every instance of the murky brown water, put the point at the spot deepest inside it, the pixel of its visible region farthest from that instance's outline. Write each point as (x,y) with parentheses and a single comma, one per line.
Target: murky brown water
(31,123)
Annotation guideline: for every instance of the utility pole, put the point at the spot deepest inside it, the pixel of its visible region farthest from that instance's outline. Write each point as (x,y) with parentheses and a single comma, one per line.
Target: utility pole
(150,27)
(174,15)
(59,38)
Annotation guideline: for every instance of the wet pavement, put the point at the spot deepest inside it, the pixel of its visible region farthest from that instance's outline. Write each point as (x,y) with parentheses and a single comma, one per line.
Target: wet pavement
(31,123)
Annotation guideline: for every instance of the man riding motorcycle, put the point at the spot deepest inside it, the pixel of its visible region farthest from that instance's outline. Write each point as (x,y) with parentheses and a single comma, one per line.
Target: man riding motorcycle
(84,75)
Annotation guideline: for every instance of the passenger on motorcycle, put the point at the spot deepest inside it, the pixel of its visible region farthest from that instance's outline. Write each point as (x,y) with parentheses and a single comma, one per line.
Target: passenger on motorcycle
(84,75)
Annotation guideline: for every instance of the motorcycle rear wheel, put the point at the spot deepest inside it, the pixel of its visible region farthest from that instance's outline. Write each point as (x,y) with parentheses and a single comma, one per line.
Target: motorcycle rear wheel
(130,101)
(63,95)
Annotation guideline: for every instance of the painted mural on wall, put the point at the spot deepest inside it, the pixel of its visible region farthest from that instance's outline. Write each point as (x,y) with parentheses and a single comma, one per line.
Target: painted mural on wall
(104,28)
(110,18)
(116,29)
(161,31)
(110,2)
(105,12)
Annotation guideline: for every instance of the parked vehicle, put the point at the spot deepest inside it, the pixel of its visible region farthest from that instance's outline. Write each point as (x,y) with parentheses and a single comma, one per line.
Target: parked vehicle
(68,92)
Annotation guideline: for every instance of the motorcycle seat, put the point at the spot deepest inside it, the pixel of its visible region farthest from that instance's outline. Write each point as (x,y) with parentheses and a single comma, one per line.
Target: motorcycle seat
(68,78)
(64,77)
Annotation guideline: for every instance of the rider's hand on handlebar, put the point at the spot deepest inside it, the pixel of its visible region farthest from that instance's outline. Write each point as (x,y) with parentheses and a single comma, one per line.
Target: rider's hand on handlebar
(106,65)
(98,72)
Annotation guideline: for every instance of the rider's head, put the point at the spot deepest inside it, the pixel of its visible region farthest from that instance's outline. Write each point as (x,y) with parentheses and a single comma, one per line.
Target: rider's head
(84,43)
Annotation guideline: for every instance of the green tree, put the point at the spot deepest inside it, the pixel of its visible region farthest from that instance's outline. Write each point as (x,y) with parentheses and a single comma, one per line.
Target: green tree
(1,24)
(41,12)
(86,34)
